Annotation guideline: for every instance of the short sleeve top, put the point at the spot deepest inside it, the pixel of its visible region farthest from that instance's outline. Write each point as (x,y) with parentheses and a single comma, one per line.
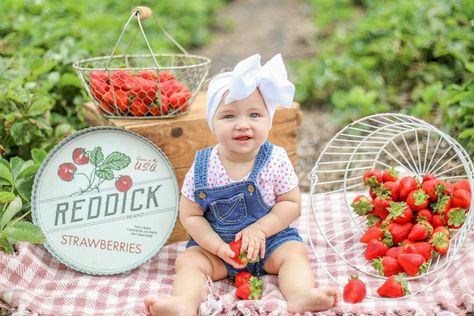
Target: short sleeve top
(276,177)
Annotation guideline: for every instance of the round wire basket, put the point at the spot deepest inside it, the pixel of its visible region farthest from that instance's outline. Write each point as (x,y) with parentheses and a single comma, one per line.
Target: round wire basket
(411,146)
(143,86)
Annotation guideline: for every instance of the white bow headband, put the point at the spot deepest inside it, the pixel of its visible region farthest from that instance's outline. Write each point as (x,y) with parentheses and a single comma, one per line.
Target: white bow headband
(245,78)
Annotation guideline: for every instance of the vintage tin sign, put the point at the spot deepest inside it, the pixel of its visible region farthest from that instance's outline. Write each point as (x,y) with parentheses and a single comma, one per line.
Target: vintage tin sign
(106,199)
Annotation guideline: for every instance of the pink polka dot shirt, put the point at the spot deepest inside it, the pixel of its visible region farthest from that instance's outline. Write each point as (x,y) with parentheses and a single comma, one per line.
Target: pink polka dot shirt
(277,176)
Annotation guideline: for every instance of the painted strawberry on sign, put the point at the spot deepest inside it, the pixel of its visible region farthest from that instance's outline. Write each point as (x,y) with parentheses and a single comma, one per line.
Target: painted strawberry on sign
(97,169)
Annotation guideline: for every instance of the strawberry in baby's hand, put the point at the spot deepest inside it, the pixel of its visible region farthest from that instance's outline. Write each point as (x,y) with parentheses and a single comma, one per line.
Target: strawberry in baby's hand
(354,290)
(240,257)
(250,289)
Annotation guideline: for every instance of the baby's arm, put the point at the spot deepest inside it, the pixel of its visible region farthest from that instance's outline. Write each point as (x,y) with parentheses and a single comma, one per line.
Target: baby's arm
(192,217)
(283,213)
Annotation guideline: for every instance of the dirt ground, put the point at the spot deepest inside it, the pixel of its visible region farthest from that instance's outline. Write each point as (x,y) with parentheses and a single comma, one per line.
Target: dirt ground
(268,27)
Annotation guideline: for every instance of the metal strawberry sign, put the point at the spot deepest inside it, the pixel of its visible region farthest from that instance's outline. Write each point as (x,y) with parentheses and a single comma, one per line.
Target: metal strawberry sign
(106,200)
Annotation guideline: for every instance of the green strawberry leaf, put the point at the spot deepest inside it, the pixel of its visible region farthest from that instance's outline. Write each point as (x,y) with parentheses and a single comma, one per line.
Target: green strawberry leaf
(116,161)
(106,174)
(24,231)
(96,157)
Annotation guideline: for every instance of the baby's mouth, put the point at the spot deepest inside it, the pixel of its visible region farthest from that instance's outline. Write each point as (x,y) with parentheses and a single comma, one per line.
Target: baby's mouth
(241,138)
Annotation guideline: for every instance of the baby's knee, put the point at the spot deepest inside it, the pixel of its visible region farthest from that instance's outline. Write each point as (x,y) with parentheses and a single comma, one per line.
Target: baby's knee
(191,259)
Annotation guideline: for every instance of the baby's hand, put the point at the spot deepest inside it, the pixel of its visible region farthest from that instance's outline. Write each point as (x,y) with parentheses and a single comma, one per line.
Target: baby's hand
(225,253)
(253,241)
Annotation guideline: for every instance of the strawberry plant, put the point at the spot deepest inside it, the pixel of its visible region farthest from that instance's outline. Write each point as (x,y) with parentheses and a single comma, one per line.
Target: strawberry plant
(16,180)
(400,56)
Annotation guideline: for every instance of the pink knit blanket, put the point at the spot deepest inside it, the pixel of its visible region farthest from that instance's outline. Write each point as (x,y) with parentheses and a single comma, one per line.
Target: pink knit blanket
(33,282)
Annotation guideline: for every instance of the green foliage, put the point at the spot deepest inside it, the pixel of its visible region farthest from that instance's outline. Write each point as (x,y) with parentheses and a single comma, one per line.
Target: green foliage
(16,180)
(404,56)
(42,97)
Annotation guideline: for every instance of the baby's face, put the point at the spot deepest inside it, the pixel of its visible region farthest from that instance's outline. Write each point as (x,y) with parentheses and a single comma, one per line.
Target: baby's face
(242,126)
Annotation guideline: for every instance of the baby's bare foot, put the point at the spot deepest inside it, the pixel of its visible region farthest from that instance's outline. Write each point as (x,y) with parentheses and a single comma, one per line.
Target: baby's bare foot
(313,300)
(173,305)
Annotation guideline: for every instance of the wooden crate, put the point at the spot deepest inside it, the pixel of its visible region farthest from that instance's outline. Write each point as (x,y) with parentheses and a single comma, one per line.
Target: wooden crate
(180,137)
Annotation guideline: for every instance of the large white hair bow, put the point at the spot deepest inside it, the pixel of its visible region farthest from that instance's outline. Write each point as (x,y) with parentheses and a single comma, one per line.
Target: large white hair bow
(245,78)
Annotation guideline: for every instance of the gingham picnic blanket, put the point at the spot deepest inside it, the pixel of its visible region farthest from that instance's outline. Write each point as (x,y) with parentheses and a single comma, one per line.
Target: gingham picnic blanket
(33,282)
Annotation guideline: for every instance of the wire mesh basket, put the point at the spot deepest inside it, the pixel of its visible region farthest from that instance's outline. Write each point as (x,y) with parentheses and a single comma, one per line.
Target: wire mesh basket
(411,146)
(143,85)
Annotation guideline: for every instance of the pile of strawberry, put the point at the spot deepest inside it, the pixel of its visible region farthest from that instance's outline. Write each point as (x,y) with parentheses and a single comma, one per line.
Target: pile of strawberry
(144,93)
(409,221)
(249,287)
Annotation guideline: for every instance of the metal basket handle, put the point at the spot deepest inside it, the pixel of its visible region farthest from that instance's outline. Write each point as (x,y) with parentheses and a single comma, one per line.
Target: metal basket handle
(143,13)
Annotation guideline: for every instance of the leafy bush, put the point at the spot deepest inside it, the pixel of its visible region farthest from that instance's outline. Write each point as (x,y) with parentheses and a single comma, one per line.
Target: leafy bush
(396,55)
(16,180)
(42,97)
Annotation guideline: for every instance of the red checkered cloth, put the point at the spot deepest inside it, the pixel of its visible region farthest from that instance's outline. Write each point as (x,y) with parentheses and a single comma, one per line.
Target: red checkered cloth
(34,282)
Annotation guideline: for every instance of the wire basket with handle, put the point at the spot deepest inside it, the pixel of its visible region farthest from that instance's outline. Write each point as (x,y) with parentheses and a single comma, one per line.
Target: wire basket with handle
(143,85)
(413,148)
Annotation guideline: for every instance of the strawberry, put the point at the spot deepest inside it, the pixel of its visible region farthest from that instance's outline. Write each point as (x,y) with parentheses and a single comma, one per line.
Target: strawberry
(241,277)
(406,185)
(162,108)
(372,233)
(362,205)
(433,188)
(443,204)
(412,263)
(354,290)
(423,248)
(386,266)
(440,242)
(396,233)
(424,215)
(122,79)
(98,81)
(118,98)
(66,171)
(462,184)
(148,75)
(448,188)
(394,286)
(166,75)
(251,290)
(420,231)
(123,183)
(381,208)
(138,108)
(240,257)
(79,156)
(428,177)
(418,199)
(372,194)
(178,100)
(388,190)
(172,86)
(375,248)
(462,198)
(390,175)
(145,90)
(455,217)
(372,178)
(437,220)
(400,212)
(395,251)
(443,230)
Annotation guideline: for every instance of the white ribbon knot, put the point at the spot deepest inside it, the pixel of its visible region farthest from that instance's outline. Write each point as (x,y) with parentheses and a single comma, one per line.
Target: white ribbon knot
(245,78)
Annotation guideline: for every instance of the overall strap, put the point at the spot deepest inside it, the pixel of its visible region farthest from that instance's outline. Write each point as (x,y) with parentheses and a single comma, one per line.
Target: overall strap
(201,163)
(263,156)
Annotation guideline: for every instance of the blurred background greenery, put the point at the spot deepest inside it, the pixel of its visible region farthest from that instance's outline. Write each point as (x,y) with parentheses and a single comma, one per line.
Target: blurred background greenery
(414,57)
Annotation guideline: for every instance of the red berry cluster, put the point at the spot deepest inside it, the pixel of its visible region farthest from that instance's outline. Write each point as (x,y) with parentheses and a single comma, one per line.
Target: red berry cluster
(408,222)
(145,93)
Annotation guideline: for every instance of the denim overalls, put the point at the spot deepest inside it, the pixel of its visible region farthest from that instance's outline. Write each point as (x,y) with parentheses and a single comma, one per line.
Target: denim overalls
(232,207)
